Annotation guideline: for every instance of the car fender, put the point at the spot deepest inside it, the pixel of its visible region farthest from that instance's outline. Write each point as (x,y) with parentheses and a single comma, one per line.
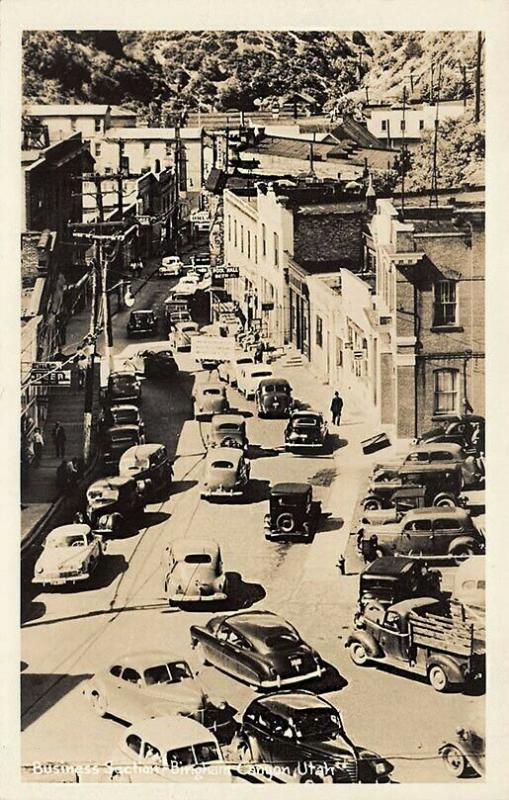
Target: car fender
(448,664)
(463,540)
(371,646)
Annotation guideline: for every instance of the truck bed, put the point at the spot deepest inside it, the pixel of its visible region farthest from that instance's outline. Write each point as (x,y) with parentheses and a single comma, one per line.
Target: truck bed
(451,635)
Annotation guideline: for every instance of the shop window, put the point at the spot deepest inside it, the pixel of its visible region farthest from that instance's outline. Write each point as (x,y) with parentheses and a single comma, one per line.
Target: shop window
(235,233)
(446,398)
(319,331)
(445,306)
(229,227)
(276,249)
(241,238)
(256,249)
(264,240)
(249,244)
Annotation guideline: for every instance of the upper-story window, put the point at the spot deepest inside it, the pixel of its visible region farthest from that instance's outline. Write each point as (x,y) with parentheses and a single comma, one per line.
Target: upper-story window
(97,125)
(229,227)
(383,124)
(235,233)
(97,149)
(421,124)
(445,306)
(276,249)
(241,238)
(264,240)
(146,148)
(319,331)
(249,244)
(402,125)
(446,397)
(255,249)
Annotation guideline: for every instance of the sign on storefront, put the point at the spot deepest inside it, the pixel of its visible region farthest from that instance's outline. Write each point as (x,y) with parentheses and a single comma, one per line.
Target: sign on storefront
(47,373)
(224,271)
(215,348)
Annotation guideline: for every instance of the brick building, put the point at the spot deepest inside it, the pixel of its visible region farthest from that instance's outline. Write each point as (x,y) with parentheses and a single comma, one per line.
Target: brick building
(430,304)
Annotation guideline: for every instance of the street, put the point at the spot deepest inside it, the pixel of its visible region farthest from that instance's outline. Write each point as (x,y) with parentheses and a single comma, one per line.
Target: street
(70,634)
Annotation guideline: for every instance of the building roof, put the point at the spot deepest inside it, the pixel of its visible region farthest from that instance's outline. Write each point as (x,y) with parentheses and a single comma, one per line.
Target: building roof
(298,146)
(320,209)
(67,110)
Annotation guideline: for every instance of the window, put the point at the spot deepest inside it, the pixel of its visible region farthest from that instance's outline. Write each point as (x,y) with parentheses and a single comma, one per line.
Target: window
(249,244)
(256,249)
(131,676)
(97,125)
(264,240)
(319,331)
(97,149)
(241,238)
(229,227)
(116,670)
(73,123)
(169,149)
(421,124)
(235,233)
(276,249)
(384,124)
(402,125)
(446,391)
(146,148)
(445,303)
(134,743)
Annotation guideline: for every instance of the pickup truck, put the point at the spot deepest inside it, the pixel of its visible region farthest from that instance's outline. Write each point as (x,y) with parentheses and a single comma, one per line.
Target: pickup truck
(417,637)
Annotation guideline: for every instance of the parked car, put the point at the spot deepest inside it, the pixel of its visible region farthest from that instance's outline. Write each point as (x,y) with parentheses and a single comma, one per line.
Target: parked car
(153,683)
(70,555)
(142,323)
(176,309)
(121,414)
(188,284)
(419,637)
(150,466)
(201,260)
(250,376)
(160,364)
(113,503)
(442,483)
(226,473)
(467,430)
(429,533)
(171,749)
(171,266)
(209,398)
(402,500)
(123,387)
(464,755)
(229,370)
(257,647)
(390,579)
(292,512)
(273,398)
(300,737)
(306,430)
(193,572)
(449,453)
(116,440)
(173,316)
(180,337)
(228,430)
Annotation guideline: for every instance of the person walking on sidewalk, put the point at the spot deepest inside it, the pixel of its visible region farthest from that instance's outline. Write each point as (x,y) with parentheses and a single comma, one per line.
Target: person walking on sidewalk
(59,439)
(38,443)
(336,408)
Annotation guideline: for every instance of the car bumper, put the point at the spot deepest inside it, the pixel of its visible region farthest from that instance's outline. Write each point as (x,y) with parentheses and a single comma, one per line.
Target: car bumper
(223,492)
(277,682)
(313,445)
(197,598)
(53,581)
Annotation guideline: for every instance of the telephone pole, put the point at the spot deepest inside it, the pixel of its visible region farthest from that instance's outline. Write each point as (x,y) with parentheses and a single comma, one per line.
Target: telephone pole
(90,373)
(478,78)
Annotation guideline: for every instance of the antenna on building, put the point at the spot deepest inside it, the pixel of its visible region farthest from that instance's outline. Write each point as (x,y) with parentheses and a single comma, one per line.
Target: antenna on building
(433,198)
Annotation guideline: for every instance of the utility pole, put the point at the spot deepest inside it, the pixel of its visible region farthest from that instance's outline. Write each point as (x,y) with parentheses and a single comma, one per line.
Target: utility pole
(89,375)
(478,78)
(403,156)
(433,198)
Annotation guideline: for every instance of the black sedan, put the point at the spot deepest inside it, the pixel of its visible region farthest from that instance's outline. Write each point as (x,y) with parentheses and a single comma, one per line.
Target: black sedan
(257,647)
(299,737)
(160,364)
(142,323)
(306,430)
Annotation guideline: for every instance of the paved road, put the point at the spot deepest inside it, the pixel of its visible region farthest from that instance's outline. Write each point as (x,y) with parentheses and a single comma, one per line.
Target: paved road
(70,634)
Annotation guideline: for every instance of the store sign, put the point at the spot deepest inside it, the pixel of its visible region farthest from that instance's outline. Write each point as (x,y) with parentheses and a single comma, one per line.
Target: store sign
(267,306)
(359,354)
(47,373)
(216,348)
(224,271)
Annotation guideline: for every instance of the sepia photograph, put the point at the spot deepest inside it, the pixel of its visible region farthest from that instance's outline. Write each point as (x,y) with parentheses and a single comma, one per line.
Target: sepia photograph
(252,404)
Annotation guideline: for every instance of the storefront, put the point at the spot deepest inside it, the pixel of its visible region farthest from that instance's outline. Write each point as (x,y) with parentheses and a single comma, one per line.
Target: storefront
(298,324)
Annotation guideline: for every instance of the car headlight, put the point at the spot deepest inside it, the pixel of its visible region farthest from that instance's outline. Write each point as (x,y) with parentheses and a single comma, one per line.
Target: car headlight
(381,767)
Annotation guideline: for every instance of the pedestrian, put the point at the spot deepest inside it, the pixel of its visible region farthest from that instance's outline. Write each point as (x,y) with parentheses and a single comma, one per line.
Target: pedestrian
(38,443)
(70,475)
(341,565)
(336,407)
(258,355)
(59,439)
(82,371)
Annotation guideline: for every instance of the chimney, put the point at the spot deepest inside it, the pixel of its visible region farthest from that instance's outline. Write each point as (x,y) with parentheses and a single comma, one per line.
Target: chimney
(370,196)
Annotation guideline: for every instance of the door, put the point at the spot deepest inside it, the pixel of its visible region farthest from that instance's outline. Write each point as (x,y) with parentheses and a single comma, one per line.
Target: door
(128,696)
(416,538)
(285,750)
(445,531)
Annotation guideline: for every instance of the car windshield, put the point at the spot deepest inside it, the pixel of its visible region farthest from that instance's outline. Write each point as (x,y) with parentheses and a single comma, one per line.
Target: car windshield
(198,558)
(318,723)
(244,361)
(305,422)
(190,756)
(282,387)
(212,391)
(122,436)
(172,672)
(122,382)
(68,541)
(260,374)
(222,465)
(188,328)
(228,426)
(124,416)
(282,640)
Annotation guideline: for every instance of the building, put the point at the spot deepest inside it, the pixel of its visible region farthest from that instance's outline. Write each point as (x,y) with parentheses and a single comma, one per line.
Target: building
(92,121)
(430,304)
(385,122)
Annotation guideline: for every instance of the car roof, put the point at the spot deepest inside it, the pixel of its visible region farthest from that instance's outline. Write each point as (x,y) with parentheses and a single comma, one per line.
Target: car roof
(142,450)
(286,702)
(389,565)
(111,481)
(170,732)
(75,529)
(142,659)
(220,419)
(249,623)
(218,453)
(436,447)
(306,413)
(434,512)
(143,311)
(187,323)
(273,379)
(289,488)
(184,547)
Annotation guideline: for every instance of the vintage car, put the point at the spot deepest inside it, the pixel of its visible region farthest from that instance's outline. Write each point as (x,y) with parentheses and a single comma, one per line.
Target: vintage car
(171,266)
(188,284)
(121,414)
(390,579)
(209,398)
(292,512)
(142,323)
(464,755)
(441,482)
(299,737)
(116,440)
(180,337)
(114,503)
(151,684)
(159,364)
(226,473)
(229,370)
(249,377)
(257,647)
(193,572)
(467,430)
(228,430)
(70,555)
(175,315)
(306,430)
(402,500)
(446,453)
(429,533)
(273,398)
(123,387)
(150,466)
(177,305)
(169,749)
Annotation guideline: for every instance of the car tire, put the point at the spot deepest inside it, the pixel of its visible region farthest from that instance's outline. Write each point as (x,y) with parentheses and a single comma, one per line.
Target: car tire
(444,501)
(454,761)
(286,522)
(310,779)
(99,704)
(438,678)
(358,654)
(371,504)
(461,553)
